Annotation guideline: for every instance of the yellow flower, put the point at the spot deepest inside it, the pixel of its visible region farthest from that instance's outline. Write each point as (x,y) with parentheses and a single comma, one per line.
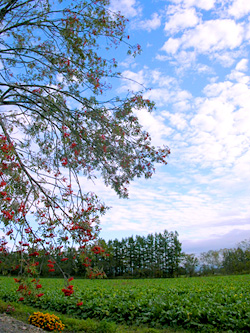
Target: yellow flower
(46,321)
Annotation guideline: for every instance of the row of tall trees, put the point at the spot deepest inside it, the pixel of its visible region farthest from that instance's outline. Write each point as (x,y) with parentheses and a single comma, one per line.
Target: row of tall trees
(157,255)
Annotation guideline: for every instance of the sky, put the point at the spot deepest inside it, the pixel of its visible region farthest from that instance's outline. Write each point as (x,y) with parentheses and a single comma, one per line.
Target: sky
(195,60)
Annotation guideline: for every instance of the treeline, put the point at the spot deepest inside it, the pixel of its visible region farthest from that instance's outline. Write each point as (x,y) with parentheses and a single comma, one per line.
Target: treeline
(225,261)
(156,255)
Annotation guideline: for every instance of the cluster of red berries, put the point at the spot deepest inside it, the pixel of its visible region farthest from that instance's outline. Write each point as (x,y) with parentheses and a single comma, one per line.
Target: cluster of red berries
(68,291)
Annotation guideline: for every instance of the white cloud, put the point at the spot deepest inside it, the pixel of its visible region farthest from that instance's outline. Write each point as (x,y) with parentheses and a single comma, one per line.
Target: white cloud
(204,69)
(129,62)
(239,77)
(207,123)
(166,87)
(239,8)
(161,57)
(164,96)
(171,45)
(203,4)
(156,77)
(218,133)
(155,125)
(128,8)
(181,19)
(224,57)
(132,81)
(214,35)
(214,89)
(208,37)
(185,60)
(242,65)
(151,24)
(176,119)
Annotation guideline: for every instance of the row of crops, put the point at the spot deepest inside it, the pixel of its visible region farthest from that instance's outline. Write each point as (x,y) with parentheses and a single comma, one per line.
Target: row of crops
(202,304)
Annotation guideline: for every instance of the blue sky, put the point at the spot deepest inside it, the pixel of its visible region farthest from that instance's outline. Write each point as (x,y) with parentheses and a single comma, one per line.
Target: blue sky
(196,61)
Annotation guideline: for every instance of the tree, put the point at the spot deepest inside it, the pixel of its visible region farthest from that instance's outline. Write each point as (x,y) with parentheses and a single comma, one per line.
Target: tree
(57,122)
(211,261)
(189,264)
(237,260)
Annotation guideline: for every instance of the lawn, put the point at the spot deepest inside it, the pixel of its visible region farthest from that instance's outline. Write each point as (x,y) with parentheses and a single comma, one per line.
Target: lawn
(220,303)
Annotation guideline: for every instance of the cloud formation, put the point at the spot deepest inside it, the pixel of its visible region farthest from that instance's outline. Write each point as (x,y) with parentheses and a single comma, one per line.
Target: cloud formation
(207,37)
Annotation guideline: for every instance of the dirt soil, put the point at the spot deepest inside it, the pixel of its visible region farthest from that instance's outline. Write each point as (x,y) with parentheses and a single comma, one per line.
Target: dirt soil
(9,324)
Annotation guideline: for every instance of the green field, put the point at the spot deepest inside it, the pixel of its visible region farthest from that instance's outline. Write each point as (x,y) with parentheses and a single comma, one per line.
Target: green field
(208,304)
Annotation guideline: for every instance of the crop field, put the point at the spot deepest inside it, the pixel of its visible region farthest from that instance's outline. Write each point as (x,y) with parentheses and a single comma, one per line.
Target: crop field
(208,304)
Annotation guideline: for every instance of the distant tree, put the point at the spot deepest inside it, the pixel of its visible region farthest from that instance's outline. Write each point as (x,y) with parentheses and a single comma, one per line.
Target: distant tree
(226,261)
(244,245)
(189,264)
(211,261)
(237,260)
(57,123)
(139,255)
(174,253)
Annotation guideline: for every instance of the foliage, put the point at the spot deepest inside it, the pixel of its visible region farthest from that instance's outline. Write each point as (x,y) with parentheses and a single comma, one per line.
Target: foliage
(202,304)
(59,121)
(46,321)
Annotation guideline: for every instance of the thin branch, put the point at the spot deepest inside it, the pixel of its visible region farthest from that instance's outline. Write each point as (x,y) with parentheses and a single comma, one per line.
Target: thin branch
(7,8)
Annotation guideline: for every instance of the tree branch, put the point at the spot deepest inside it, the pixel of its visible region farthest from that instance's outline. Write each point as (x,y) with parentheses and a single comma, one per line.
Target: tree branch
(7,8)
